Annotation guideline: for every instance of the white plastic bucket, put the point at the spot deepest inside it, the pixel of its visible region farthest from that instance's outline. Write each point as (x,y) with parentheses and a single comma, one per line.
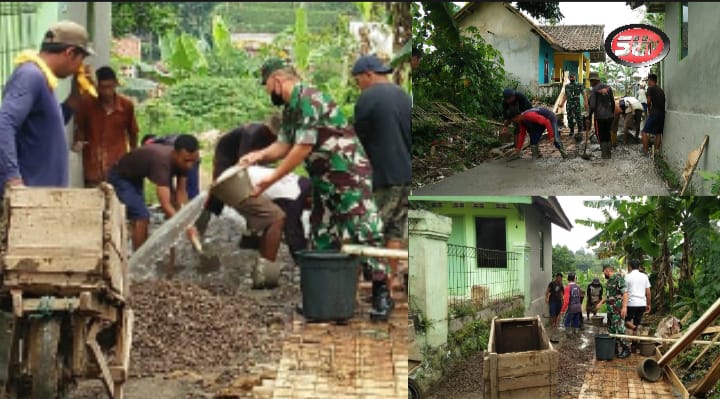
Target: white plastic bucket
(233,186)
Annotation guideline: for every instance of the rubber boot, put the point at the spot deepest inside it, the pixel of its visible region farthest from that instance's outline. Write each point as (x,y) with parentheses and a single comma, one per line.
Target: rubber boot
(535,149)
(605,150)
(625,351)
(563,153)
(383,304)
(613,139)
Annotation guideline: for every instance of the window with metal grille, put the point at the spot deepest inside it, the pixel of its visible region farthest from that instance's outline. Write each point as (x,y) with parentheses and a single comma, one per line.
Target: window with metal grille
(17,33)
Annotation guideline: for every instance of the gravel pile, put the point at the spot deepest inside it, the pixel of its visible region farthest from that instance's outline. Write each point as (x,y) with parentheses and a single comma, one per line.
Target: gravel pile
(465,380)
(180,326)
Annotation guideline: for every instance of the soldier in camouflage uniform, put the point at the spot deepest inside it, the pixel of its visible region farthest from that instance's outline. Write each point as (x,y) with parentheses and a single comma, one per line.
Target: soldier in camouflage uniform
(617,299)
(573,94)
(315,130)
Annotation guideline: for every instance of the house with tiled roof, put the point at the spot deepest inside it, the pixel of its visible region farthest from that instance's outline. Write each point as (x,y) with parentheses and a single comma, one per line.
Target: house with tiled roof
(536,55)
(688,75)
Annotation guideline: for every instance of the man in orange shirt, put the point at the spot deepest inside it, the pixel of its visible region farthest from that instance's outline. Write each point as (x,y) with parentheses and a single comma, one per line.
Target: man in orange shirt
(105,128)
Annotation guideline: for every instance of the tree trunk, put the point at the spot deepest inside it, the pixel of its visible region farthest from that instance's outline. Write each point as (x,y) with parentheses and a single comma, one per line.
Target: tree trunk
(402,33)
(685,270)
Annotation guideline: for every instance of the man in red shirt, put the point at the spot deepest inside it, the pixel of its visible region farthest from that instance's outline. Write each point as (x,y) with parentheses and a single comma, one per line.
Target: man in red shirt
(535,121)
(105,128)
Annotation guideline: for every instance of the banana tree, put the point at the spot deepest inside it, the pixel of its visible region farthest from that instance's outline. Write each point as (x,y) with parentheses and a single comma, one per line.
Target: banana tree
(642,226)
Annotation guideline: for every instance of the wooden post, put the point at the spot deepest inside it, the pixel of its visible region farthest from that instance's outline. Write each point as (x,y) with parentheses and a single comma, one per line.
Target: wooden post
(708,382)
(704,351)
(655,339)
(708,317)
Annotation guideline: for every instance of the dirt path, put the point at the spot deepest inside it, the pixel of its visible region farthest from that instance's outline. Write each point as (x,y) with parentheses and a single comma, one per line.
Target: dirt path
(205,329)
(627,173)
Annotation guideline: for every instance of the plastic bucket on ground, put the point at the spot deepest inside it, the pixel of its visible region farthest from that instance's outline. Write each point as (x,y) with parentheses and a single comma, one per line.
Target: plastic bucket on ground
(233,186)
(597,321)
(646,348)
(329,284)
(650,370)
(604,347)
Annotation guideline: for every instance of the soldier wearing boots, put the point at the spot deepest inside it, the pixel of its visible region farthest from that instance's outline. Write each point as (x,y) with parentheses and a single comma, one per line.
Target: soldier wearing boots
(617,301)
(573,94)
(535,121)
(315,131)
(602,105)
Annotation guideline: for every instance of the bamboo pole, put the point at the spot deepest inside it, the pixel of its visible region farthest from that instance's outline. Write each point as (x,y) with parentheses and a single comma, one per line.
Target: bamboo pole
(695,329)
(704,351)
(655,339)
(374,252)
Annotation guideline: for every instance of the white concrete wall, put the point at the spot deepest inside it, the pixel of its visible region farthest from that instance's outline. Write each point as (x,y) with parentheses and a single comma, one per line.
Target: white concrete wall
(538,279)
(691,86)
(511,36)
(428,275)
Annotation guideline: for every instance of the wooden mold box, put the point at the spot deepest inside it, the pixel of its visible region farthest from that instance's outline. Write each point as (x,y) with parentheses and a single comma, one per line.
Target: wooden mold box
(65,241)
(520,362)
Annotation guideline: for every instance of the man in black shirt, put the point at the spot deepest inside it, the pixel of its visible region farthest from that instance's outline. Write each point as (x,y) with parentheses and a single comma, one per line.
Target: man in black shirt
(514,103)
(656,113)
(554,298)
(264,215)
(382,123)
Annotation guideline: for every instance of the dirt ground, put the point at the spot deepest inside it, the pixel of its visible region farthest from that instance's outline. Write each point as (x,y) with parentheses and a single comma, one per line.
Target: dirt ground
(205,328)
(627,173)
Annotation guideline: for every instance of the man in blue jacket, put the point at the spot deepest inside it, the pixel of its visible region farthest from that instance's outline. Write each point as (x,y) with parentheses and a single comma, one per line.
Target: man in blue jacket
(33,147)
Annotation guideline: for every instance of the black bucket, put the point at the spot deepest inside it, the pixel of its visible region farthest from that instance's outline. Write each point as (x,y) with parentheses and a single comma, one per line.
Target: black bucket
(329,284)
(604,347)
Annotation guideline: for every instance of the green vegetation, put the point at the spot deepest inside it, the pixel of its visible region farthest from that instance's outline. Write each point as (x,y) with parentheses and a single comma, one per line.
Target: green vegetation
(676,238)
(275,17)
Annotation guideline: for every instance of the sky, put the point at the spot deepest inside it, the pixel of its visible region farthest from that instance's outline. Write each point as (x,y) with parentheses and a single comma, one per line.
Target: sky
(574,209)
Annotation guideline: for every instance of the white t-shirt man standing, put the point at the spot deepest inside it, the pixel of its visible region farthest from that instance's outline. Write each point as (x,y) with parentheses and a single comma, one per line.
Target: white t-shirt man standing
(638,286)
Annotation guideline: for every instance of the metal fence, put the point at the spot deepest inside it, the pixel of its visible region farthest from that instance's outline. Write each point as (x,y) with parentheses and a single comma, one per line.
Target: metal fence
(481,276)
(17,33)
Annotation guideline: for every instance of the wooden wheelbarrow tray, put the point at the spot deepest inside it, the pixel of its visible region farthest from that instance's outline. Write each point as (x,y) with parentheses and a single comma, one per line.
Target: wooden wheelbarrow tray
(63,291)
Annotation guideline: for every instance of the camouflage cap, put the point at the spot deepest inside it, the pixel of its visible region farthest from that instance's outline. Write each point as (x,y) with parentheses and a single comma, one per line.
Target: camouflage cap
(269,66)
(70,33)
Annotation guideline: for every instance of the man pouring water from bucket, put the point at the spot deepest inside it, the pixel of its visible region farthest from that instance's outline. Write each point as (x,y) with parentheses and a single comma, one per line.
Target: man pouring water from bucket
(315,130)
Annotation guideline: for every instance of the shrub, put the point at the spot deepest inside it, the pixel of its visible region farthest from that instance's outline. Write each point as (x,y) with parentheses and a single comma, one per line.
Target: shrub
(225,102)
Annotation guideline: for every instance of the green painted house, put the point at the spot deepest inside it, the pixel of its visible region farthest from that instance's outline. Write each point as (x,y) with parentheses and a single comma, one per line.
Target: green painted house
(499,247)
(23,25)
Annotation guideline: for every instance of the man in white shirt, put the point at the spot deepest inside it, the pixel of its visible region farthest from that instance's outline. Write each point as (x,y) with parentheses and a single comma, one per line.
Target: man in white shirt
(638,286)
(631,111)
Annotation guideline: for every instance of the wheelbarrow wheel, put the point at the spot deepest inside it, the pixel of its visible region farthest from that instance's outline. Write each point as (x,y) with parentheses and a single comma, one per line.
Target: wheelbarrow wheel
(45,367)
(413,390)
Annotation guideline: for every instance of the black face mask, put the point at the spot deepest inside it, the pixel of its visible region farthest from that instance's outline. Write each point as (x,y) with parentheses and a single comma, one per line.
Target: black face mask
(572,80)
(277,99)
